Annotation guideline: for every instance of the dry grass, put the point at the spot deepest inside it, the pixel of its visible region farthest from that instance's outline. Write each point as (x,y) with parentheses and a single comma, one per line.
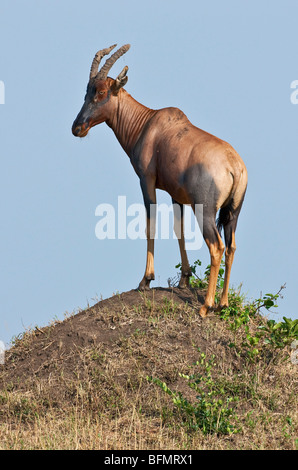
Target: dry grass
(82,383)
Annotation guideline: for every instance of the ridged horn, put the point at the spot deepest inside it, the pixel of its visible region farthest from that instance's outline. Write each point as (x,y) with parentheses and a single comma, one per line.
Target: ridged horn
(96,61)
(103,73)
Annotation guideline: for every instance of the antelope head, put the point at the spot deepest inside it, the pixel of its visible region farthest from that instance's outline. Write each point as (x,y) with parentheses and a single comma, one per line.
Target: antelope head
(101,92)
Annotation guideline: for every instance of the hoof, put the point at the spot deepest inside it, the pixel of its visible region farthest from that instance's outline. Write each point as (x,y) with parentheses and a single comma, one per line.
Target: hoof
(145,283)
(182,286)
(144,287)
(204,310)
(184,281)
(220,307)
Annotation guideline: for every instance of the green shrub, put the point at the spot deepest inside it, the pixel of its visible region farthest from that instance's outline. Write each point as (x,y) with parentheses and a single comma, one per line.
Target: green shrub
(211,411)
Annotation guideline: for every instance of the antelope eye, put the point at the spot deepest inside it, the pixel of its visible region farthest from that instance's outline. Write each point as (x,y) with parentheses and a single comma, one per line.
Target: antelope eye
(98,95)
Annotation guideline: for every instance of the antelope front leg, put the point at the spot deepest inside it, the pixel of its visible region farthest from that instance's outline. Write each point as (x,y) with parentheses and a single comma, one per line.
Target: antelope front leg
(149,194)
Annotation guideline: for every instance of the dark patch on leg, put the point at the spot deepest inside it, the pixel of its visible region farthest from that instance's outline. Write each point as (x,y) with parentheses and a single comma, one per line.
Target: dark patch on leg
(227,219)
(201,188)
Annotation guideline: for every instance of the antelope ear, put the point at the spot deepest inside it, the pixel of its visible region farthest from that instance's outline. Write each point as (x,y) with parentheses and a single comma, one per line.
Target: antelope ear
(120,81)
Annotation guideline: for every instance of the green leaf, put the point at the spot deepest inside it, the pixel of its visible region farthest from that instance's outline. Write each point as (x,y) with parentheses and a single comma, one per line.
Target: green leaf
(268,303)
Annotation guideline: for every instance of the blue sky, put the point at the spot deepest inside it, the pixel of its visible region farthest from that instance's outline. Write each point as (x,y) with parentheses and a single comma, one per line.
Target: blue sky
(228,65)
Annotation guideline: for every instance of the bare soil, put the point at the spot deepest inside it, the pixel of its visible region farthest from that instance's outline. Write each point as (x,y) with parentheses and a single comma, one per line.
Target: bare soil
(91,371)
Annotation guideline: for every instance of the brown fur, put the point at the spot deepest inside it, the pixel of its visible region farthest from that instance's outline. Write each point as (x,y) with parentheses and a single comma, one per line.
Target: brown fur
(169,153)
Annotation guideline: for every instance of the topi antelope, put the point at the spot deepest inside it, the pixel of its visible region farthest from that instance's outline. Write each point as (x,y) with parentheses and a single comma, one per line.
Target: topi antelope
(169,153)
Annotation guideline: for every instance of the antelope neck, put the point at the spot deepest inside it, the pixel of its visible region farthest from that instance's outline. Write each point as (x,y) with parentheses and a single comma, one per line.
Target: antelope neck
(129,120)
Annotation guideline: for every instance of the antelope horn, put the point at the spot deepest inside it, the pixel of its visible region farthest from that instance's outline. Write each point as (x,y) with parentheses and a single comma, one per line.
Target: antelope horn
(96,61)
(103,73)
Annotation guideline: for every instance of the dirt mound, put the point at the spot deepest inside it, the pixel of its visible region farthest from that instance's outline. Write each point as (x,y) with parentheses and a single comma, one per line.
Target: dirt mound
(44,353)
(84,383)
